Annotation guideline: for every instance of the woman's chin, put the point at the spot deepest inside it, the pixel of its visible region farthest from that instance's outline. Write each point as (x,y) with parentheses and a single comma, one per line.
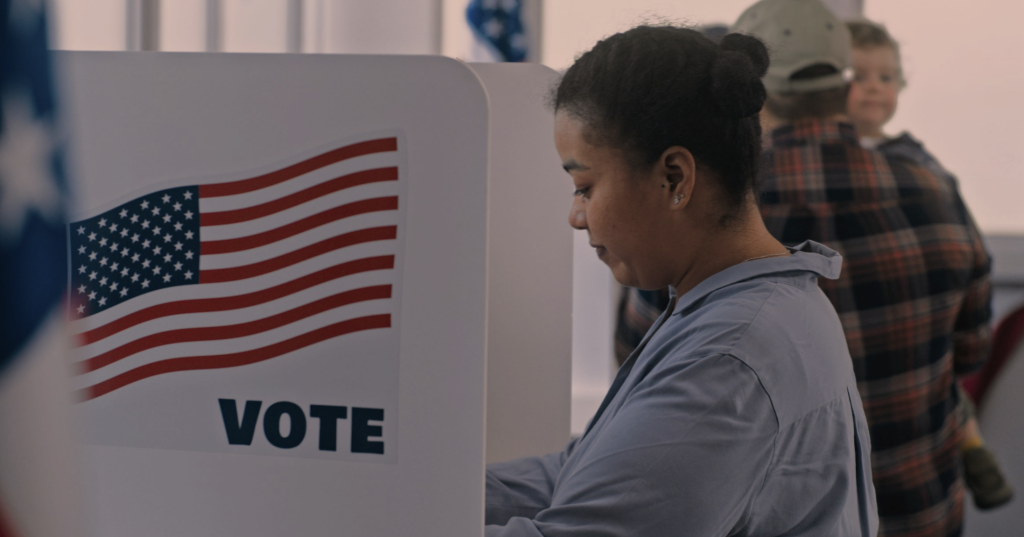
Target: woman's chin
(624,277)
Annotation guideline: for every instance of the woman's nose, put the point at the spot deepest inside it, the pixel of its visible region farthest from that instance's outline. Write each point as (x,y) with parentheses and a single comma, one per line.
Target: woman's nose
(577,214)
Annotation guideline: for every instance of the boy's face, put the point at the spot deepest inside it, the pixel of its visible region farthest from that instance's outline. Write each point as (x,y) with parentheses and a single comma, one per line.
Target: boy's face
(872,100)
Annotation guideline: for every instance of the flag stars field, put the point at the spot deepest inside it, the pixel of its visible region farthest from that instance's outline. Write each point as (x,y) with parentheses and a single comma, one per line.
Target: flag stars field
(119,231)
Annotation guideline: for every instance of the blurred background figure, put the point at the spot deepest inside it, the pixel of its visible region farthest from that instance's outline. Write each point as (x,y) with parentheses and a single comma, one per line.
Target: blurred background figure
(37,485)
(878,78)
(914,296)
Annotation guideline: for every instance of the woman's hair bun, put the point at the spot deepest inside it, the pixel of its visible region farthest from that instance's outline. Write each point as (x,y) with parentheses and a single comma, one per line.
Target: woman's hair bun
(736,76)
(750,46)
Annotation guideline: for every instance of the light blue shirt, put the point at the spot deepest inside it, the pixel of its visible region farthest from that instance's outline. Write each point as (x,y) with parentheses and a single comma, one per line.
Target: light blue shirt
(737,415)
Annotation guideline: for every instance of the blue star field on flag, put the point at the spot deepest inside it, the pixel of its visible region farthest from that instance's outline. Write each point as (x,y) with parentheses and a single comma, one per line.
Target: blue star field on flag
(33,247)
(499,23)
(149,243)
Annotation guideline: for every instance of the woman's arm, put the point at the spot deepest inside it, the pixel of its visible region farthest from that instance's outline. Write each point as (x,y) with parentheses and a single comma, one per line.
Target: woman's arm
(522,487)
(685,455)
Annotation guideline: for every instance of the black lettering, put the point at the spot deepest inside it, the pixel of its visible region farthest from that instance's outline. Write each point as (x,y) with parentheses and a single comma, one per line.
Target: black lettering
(272,425)
(362,430)
(240,433)
(329,416)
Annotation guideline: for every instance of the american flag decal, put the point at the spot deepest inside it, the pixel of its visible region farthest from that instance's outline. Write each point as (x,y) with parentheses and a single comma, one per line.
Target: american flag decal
(225,274)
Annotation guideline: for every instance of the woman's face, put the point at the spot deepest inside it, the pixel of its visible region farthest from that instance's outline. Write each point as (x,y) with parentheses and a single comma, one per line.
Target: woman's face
(872,100)
(624,212)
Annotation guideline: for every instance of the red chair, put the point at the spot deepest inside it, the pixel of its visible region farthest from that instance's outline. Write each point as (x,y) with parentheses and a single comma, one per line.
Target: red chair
(1005,340)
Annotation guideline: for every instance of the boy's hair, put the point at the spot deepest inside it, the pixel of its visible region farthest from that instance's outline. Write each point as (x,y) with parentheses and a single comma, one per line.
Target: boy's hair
(866,34)
(813,104)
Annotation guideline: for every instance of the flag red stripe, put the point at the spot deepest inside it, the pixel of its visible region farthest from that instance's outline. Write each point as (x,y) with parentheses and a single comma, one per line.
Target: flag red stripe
(204,305)
(291,258)
(245,214)
(331,215)
(212,333)
(263,181)
(220,361)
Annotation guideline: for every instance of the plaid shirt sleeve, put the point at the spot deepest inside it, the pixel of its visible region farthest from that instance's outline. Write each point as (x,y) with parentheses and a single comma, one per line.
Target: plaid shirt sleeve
(972,335)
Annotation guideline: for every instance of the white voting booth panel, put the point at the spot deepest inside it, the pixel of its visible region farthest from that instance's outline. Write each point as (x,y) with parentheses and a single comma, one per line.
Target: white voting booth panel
(530,268)
(280,274)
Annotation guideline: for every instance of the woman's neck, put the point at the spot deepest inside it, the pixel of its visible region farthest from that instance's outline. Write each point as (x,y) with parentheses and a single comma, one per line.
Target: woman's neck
(743,239)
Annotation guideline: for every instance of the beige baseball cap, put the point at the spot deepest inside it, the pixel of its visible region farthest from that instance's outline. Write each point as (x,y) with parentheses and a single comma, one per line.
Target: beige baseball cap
(799,34)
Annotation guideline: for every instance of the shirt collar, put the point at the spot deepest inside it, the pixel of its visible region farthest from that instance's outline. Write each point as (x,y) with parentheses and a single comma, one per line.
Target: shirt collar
(808,256)
(814,132)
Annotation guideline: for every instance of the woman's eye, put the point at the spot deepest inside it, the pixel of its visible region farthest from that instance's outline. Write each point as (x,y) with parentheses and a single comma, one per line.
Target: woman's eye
(581,191)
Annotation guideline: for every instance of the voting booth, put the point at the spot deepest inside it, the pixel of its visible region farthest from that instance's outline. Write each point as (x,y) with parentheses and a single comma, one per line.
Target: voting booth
(312,294)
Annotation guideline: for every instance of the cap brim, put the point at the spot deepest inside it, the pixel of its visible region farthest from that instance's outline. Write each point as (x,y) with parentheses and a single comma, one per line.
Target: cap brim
(779,81)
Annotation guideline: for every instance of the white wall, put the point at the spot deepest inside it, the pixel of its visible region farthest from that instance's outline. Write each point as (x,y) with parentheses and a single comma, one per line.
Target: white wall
(92,25)
(573,26)
(335,26)
(380,26)
(254,26)
(183,25)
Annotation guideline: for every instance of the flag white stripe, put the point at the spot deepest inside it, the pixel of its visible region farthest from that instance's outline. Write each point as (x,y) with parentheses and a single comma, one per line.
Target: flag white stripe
(296,242)
(315,206)
(235,288)
(230,346)
(302,182)
(233,317)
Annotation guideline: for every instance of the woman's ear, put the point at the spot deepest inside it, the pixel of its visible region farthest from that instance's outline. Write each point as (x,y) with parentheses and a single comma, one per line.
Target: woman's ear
(678,171)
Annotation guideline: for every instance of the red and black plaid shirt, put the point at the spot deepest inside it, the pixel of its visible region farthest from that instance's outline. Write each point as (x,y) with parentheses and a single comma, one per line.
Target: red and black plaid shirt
(913,297)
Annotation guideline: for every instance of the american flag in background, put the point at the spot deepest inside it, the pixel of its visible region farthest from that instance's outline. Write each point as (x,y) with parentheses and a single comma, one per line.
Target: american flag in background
(38,490)
(225,274)
(498,25)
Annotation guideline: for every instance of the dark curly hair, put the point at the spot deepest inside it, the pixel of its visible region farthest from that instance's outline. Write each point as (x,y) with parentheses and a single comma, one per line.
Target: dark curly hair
(653,87)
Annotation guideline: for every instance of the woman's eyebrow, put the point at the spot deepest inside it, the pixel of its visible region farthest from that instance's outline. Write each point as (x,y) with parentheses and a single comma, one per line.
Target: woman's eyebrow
(571,165)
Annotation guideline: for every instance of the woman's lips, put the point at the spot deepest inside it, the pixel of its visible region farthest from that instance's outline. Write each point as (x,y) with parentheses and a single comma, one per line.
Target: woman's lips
(601,251)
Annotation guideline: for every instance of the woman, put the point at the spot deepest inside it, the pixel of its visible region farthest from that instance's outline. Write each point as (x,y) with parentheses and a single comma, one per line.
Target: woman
(738,414)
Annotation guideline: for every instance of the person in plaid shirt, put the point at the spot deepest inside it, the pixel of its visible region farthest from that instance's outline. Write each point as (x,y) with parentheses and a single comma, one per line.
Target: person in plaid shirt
(914,295)
(871,104)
